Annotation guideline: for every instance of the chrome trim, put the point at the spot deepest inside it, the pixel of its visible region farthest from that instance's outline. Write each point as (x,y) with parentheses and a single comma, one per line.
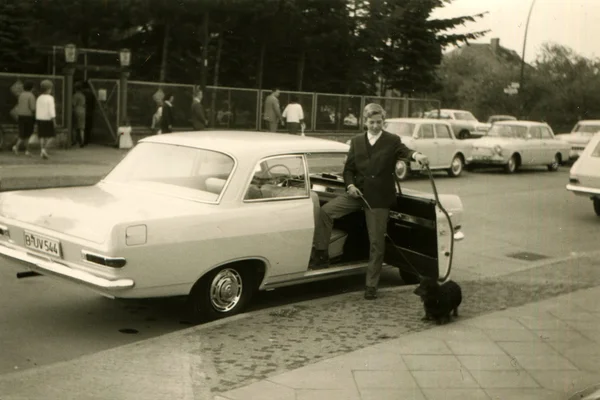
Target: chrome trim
(85,253)
(583,190)
(46,266)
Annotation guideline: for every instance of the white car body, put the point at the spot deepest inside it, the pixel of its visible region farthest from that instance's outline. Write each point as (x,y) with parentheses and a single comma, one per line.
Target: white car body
(584,179)
(434,138)
(580,136)
(188,209)
(512,144)
(464,124)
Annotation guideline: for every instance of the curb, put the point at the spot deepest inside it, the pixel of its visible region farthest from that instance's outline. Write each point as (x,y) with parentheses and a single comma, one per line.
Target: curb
(172,336)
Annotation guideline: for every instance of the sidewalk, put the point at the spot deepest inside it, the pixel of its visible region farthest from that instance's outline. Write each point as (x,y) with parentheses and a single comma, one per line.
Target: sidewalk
(343,347)
(74,166)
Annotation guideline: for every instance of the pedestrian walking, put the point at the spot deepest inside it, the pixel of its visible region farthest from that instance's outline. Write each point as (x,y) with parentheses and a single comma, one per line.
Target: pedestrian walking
(199,121)
(166,117)
(45,115)
(293,115)
(79,111)
(272,111)
(368,175)
(25,111)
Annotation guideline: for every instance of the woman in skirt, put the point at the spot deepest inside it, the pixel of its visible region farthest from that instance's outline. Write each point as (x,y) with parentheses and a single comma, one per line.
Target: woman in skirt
(25,113)
(45,114)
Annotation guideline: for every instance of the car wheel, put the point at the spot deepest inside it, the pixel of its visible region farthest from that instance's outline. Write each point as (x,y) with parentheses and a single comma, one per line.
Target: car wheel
(456,167)
(464,134)
(555,164)
(597,206)
(402,170)
(512,165)
(408,277)
(223,292)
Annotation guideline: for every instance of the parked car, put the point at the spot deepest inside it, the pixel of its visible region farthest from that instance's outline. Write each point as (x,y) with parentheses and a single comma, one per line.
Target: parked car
(496,118)
(512,144)
(434,138)
(580,136)
(584,179)
(464,124)
(215,216)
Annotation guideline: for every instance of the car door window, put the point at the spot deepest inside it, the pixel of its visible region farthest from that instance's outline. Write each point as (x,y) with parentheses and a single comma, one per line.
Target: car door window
(535,132)
(546,134)
(275,178)
(426,131)
(442,131)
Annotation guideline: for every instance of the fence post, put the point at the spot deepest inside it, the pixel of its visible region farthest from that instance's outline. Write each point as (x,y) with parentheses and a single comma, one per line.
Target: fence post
(405,108)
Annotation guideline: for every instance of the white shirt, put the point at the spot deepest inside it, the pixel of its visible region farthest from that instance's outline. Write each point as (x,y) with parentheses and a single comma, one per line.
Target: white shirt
(44,108)
(293,113)
(373,138)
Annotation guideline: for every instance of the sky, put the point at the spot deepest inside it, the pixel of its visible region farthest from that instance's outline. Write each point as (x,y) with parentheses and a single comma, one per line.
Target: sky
(572,23)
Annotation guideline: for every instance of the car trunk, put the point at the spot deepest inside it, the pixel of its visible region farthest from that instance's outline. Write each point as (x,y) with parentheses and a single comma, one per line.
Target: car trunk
(89,212)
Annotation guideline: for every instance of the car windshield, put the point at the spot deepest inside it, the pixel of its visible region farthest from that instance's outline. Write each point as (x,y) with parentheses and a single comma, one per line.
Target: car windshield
(464,115)
(509,131)
(591,129)
(400,128)
(175,170)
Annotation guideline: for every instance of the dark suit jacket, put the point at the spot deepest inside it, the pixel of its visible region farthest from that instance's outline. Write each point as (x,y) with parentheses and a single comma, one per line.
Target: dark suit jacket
(371,168)
(198,116)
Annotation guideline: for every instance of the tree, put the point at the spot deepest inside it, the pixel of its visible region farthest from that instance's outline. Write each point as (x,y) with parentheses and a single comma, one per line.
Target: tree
(16,52)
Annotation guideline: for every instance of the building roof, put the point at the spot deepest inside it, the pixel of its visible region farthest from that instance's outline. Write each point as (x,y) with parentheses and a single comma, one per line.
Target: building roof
(491,51)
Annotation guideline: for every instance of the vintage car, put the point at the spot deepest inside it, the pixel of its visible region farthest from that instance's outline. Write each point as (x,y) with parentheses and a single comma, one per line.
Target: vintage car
(495,118)
(513,144)
(580,136)
(214,216)
(464,124)
(584,179)
(434,138)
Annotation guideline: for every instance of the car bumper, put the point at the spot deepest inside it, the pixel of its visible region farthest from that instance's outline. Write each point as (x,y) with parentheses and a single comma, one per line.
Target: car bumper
(583,190)
(486,160)
(47,266)
(574,154)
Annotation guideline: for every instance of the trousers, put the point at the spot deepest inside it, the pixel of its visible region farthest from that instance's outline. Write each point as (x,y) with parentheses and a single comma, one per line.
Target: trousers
(376,225)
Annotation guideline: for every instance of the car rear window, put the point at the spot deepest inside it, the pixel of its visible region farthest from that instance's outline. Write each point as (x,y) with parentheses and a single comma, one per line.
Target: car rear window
(596,152)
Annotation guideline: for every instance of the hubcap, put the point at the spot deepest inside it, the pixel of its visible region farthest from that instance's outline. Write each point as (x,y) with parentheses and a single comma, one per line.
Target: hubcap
(511,164)
(226,290)
(555,163)
(456,165)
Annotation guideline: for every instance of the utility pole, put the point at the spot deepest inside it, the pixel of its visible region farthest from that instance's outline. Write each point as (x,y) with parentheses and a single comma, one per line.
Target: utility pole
(522,76)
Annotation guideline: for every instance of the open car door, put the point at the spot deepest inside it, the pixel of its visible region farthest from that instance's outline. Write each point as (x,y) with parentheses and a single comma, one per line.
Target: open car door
(419,240)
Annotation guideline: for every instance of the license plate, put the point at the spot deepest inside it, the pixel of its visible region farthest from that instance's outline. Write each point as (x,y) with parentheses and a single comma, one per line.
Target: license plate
(482,157)
(43,243)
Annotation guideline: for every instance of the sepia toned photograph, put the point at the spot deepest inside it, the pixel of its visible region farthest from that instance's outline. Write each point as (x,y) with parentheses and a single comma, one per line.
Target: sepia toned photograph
(299,200)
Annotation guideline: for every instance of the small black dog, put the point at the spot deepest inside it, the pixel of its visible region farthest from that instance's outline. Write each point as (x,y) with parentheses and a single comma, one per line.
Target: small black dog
(439,300)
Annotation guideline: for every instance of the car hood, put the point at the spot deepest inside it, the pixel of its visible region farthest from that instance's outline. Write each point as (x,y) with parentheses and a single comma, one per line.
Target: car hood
(91,212)
(575,138)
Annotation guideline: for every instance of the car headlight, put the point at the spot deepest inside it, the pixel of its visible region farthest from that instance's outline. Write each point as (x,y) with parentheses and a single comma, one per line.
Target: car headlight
(498,149)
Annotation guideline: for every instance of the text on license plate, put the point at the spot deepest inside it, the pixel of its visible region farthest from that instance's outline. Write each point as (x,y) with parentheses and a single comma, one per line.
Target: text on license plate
(483,157)
(42,243)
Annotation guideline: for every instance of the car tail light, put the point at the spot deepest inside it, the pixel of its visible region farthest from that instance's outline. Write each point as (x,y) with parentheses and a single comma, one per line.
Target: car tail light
(113,262)
(4,231)
(574,180)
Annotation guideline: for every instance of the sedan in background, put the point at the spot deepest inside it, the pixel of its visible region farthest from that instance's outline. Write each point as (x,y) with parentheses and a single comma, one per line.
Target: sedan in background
(584,179)
(580,136)
(496,118)
(434,138)
(513,144)
(464,124)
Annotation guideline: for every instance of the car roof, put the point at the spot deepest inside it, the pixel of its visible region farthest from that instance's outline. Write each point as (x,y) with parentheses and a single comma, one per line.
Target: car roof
(521,123)
(589,122)
(237,143)
(418,120)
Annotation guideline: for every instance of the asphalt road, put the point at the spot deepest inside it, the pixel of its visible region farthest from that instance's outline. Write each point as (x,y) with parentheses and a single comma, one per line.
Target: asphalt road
(43,321)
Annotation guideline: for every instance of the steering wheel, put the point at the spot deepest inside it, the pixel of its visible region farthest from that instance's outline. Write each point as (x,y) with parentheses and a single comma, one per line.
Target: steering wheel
(284,180)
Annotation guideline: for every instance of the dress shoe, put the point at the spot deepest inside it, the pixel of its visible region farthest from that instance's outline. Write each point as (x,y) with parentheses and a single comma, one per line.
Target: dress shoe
(319,259)
(370,293)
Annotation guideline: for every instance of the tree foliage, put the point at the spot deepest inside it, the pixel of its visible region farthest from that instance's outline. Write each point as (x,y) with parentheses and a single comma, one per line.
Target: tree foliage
(310,45)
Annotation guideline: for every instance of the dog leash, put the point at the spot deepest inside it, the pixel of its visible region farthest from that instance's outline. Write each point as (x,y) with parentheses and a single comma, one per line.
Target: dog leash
(441,207)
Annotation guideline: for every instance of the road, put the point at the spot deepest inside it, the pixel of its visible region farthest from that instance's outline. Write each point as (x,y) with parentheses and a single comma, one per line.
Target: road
(44,321)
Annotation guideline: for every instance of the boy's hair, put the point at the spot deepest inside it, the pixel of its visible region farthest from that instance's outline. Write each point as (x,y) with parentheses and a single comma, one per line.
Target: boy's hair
(372,109)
